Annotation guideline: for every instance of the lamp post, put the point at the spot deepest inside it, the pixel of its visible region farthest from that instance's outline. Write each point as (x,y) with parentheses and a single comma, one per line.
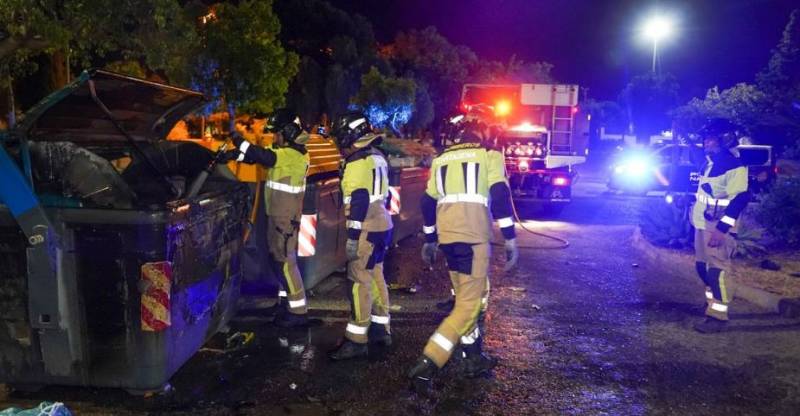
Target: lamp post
(657,28)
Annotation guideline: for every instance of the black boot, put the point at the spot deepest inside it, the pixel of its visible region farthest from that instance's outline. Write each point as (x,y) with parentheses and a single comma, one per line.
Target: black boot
(347,350)
(291,320)
(421,376)
(378,335)
(711,326)
(446,306)
(476,362)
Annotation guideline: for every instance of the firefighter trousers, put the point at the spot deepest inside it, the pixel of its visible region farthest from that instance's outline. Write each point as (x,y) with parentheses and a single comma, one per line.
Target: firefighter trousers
(713,265)
(369,296)
(468,265)
(282,241)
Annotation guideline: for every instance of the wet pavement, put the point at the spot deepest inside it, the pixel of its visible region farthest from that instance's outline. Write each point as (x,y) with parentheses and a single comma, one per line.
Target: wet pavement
(590,329)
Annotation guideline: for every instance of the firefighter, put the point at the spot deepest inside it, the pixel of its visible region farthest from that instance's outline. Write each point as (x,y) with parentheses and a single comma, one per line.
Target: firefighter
(284,188)
(467,180)
(365,188)
(721,197)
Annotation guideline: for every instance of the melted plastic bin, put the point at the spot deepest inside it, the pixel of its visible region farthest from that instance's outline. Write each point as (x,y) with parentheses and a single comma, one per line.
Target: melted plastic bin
(112,279)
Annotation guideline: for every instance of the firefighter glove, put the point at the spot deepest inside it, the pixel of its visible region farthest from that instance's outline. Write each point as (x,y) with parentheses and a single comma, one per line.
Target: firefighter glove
(351,249)
(512,254)
(429,253)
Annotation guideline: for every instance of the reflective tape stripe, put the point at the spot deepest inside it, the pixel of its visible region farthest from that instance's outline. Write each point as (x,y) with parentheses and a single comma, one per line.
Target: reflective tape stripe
(372,198)
(355,329)
(453,292)
(356,225)
(441,341)
(719,307)
(285,188)
(394,200)
(711,201)
(471,337)
(243,149)
(505,222)
(439,181)
(380,319)
(472,178)
(709,295)
(282,294)
(307,237)
(355,123)
(428,230)
(728,220)
(471,198)
(297,303)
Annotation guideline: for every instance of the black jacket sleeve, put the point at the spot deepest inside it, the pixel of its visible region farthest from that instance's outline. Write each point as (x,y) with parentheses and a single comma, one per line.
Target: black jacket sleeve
(359,204)
(502,210)
(428,207)
(252,154)
(733,211)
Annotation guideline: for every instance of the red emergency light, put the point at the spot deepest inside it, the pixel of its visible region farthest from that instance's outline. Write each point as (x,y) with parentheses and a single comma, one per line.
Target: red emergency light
(560,181)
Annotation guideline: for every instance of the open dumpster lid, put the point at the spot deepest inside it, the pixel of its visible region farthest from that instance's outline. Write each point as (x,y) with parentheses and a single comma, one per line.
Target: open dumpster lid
(145,110)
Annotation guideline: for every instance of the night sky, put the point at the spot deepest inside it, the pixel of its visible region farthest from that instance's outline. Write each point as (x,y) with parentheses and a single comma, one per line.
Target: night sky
(595,43)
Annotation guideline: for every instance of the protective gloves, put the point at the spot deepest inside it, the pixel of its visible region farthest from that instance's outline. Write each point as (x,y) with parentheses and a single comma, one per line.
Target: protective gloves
(429,253)
(351,249)
(512,254)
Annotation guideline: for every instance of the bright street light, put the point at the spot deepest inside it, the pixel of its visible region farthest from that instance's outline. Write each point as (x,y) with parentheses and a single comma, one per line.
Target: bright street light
(657,28)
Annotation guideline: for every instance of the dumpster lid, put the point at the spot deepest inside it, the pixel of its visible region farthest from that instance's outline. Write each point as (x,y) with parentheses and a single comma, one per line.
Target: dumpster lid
(146,110)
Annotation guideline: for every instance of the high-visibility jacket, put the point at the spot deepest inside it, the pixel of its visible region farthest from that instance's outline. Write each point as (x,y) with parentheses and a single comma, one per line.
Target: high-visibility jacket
(466,180)
(722,192)
(365,189)
(286,178)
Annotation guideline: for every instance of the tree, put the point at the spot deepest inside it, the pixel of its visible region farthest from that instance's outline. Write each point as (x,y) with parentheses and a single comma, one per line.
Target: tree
(242,60)
(306,92)
(648,99)
(428,56)
(387,101)
(156,34)
(780,81)
(336,91)
(423,114)
(742,104)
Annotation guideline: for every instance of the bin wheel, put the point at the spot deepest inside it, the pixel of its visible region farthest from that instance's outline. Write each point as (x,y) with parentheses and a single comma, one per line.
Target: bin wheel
(164,390)
(26,388)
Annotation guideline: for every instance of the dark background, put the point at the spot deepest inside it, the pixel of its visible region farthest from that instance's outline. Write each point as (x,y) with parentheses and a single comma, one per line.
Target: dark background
(595,43)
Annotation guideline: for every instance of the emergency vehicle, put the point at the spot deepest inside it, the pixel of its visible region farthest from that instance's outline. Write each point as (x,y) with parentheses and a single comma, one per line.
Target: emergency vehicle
(544,136)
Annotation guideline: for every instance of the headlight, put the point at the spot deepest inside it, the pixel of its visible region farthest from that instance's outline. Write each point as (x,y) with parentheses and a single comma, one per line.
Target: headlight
(637,167)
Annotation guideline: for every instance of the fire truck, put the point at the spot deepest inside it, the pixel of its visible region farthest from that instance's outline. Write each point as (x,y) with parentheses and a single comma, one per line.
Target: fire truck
(544,136)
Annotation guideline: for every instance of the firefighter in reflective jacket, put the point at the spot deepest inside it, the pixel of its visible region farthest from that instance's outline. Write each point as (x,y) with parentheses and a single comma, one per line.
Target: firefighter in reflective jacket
(722,195)
(467,180)
(284,188)
(365,189)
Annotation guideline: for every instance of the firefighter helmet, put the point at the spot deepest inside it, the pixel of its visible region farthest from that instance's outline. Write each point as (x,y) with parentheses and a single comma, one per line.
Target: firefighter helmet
(353,129)
(287,123)
(725,131)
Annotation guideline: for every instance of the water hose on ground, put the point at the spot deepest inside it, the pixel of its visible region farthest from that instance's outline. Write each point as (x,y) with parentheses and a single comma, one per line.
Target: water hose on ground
(562,242)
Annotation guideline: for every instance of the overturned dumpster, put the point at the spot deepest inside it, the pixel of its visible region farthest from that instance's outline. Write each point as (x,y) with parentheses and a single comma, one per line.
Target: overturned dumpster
(109,275)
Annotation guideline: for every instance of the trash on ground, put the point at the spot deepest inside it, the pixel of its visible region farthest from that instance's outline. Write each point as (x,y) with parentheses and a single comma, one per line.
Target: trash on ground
(634,264)
(536,307)
(239,340)
(44,409)
(517,289)
(768,264)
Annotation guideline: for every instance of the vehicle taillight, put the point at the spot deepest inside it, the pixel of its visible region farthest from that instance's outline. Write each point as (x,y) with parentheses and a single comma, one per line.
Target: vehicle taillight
(560,181)
(523,165)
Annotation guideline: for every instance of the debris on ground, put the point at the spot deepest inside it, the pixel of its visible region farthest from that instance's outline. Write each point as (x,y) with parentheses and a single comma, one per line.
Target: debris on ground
(768,264)
(634,264)
(536,307)
(239,340)
(44,409)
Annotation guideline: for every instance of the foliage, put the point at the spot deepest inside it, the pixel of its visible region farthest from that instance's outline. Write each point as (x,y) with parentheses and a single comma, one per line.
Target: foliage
(387,101)
(157,33)
(749,242)
(779,211)
(742,104)
(648,99)
(608,114)
(336,48)
(429,57)
(667,225)
(243,59)
(423,114)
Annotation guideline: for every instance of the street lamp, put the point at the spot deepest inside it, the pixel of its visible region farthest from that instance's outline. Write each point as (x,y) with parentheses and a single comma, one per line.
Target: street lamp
(656,29)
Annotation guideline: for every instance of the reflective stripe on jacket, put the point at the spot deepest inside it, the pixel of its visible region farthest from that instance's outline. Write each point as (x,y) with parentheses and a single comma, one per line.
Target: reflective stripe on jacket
(366,173)
(286,182)
(722,192)
(460,182)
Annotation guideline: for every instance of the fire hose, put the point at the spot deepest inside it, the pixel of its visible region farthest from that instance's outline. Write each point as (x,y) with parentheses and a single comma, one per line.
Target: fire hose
(563,243)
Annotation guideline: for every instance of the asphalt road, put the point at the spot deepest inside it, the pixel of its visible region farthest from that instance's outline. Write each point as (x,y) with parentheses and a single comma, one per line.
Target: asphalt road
(590,329)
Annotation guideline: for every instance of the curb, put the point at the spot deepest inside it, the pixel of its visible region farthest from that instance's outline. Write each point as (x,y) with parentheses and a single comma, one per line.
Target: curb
(670,258)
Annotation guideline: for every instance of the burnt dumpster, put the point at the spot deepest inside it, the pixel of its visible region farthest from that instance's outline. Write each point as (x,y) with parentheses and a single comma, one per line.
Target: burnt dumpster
(322,235)
(110,277)
(406,186)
